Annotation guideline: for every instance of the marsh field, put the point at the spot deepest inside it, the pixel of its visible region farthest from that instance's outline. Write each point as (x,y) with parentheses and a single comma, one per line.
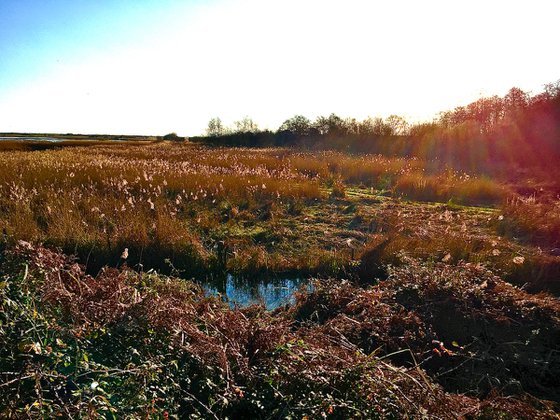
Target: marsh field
(167,279)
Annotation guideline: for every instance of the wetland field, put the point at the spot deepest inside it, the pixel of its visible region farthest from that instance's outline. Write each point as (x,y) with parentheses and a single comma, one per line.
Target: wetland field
(167,279)
(279,210)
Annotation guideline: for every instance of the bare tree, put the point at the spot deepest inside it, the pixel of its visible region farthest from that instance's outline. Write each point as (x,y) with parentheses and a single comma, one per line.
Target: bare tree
(398,125)
(246,125)
(216,128)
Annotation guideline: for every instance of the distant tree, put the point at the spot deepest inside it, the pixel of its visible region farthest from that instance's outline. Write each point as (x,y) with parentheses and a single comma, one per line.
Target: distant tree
(516,98)
(173,136)
(552,90)
(216,128)
(482,115)
(332,125)
(374,127)
(454,117)
(321,125)
(367,127)
(550,94)
(351,126)
(515,101)
(397,125)
(298,125)
(246,125)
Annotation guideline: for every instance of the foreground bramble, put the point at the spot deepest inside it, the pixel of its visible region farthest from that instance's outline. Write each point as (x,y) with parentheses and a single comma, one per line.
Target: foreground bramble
(129,345)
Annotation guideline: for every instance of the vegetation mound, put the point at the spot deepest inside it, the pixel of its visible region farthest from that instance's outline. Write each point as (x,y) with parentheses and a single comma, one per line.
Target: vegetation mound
(128,344)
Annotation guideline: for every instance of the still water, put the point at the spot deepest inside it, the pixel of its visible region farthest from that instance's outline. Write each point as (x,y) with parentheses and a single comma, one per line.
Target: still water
(47,139)
(271,292)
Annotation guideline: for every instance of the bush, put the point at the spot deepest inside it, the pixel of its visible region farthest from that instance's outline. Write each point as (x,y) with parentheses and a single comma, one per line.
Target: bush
(136,346)
(173,137)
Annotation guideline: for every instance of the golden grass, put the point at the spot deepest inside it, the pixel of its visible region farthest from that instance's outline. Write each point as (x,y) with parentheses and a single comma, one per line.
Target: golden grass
(366,170)
(167,201)
(460,188)
(532,220)
(153,196)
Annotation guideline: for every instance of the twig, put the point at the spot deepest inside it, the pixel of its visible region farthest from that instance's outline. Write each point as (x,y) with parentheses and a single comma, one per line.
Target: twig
(202,404)
(16,380)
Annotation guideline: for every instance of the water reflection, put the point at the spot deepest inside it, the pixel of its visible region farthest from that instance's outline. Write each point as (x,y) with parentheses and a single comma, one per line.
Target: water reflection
(271,292)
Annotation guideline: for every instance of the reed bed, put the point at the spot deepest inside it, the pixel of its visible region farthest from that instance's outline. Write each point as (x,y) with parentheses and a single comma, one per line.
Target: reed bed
(532,220)
(167,201)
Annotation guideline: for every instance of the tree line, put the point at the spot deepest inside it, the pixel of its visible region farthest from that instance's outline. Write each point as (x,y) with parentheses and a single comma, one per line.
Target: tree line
(516,128)
(299,127)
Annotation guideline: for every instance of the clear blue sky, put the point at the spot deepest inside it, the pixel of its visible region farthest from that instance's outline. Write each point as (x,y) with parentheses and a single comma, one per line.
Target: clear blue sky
(155,66)
(40,36)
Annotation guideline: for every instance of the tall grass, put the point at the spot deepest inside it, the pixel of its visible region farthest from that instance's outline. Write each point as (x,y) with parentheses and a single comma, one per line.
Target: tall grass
(532,220)
(460,188)
(153,199)
(166,201)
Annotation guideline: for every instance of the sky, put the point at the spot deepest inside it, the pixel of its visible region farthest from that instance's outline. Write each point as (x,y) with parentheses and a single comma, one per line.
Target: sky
(158,66)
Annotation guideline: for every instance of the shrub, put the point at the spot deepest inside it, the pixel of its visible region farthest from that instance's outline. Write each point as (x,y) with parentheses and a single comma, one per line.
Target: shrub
(128,345)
